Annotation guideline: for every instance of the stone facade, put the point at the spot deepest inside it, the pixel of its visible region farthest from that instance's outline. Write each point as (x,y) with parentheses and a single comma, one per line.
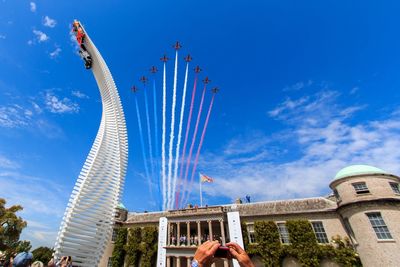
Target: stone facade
(348,215)
(378,199)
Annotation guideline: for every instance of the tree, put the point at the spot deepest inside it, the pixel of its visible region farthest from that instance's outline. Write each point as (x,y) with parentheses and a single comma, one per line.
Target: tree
(23,246)
(43,254)
(11,226)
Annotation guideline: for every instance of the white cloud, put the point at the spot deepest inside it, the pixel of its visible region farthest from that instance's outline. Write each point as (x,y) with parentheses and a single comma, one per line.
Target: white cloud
(79,94)
(49,22)
(2,36)
(7,163)
(354,90)
(28,117)
(288,104)
(32,6)
(323,141)
(56,105)
(55,53)
(40,36)
(299,85)
(14,116)
(36,107)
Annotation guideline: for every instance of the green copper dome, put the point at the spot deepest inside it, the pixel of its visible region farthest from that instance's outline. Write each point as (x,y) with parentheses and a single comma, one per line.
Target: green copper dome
(121,206)
(358,170)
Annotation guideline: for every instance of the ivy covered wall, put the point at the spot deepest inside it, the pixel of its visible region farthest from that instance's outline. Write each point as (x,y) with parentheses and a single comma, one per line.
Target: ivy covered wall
(138,248)
(303,245)
(118,254)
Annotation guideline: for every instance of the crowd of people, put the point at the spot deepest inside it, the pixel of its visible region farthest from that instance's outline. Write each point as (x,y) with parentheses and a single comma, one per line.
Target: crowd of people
(24,259)
(193,240)
(205,255)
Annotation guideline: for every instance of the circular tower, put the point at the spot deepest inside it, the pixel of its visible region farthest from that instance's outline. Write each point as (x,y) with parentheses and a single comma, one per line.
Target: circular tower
(368,201)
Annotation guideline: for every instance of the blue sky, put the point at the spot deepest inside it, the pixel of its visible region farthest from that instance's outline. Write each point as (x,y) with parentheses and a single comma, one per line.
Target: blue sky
(307,88)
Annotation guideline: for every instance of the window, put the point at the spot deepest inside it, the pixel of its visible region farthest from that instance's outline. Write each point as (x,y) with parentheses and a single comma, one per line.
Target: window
(109,263)
(395,188)
(379,226)
(114,235)
(320,232)
(336,194)
(361,188)
(252,236)
(283,232)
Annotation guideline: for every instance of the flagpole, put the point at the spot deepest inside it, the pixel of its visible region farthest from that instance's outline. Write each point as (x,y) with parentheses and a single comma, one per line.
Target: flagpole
(201,194)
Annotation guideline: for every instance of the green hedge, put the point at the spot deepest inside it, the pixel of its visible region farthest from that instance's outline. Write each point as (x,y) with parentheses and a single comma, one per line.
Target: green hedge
(303,245)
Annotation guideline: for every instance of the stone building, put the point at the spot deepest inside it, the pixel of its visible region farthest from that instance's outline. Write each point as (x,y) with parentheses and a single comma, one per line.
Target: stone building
(365,206)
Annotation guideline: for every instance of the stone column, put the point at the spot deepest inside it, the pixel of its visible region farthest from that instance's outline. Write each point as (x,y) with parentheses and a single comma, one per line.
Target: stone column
(198,233)
(178,261)
(178,235)
(188,233)
(221,223)
(210,230)
(168,261)
(226,263)
(169,234)
(188,261)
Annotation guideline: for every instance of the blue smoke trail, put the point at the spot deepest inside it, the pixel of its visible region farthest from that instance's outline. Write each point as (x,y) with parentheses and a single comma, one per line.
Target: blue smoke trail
(156,142)
(142,144)
(149,134)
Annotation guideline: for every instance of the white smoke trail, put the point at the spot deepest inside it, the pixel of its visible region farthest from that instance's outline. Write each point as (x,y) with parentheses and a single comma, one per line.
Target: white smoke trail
(178,144)
(143,151)
(164,106)
(149,133)
(172,132)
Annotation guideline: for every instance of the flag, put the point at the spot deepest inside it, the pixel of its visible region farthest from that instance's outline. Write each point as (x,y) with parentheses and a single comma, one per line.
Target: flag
(205,178)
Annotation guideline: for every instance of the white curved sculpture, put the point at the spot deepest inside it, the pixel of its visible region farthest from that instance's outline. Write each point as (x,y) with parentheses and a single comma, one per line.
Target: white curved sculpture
(89,216)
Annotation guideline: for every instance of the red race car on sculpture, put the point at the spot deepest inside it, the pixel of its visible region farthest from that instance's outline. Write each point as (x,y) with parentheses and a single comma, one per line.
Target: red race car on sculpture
(80,38)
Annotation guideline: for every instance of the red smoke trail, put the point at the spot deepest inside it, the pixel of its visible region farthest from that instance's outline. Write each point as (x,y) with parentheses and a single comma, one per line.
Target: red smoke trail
(200,144)
(186,139)
(193,141)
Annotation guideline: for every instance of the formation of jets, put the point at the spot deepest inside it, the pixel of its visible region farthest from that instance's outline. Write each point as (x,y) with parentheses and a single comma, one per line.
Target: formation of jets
(164,59)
